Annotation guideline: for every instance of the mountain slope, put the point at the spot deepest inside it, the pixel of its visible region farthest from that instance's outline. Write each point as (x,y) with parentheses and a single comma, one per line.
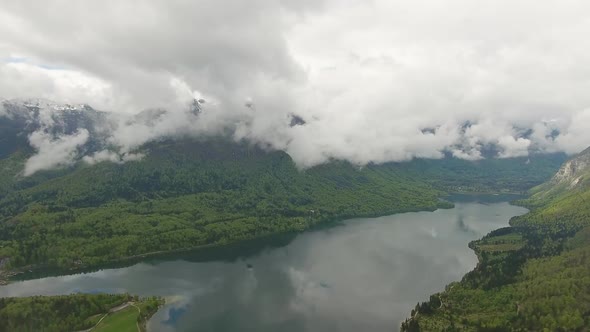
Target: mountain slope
(187,193)
(516,175)
(532,276)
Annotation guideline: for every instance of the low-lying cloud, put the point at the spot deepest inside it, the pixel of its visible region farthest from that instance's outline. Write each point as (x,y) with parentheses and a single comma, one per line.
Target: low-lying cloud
(52,153)
(114,157)
(374,81)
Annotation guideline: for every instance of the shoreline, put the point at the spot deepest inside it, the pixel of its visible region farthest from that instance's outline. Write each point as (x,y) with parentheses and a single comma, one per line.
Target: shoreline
(8,276)
(472,245)
(499,222)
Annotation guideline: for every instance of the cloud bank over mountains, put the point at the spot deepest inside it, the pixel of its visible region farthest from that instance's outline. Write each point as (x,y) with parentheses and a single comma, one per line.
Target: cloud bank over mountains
(374,81)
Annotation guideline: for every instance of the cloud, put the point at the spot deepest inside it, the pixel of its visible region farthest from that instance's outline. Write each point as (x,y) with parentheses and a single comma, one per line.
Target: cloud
(25,80)
(375,81)
(139,47)
(575,136)
(54,152)
(110,156)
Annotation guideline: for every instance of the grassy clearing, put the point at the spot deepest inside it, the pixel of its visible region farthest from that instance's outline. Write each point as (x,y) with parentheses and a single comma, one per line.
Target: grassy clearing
(502,243)
(121,321)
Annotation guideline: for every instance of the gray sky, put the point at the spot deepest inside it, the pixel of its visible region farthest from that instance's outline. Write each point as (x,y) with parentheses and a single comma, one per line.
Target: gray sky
(375,80)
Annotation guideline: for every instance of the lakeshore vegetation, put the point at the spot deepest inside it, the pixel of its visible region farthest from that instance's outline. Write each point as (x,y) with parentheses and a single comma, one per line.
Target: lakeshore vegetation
(77,312)
(533,276)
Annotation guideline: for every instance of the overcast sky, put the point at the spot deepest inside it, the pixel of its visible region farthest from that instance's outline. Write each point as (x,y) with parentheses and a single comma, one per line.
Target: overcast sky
(375,80)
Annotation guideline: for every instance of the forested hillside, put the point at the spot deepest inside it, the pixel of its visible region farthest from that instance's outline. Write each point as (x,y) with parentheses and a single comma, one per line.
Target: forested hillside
(492,175)
(187,193)
(532,276)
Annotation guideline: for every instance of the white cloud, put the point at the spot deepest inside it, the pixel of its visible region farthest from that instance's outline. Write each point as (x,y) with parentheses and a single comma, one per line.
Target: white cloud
(375,80)
(511,147)
(110,156)
(24,80)
(54,152)
(576,136)
(101,156)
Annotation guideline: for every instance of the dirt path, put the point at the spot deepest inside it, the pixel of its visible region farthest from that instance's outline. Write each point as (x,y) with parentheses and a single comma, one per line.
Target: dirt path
(120,307)
(113,310)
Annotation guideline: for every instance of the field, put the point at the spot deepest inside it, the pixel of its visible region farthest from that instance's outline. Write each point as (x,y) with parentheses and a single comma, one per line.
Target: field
(124,320)
(502,243)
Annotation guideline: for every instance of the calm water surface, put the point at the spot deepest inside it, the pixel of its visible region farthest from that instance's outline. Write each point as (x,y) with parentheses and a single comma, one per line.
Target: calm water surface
(360,275)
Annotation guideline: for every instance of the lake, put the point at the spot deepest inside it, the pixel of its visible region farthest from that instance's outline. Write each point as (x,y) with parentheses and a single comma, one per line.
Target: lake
(358,275)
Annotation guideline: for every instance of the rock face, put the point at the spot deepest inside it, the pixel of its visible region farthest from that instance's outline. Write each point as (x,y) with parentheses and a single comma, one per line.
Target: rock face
(575,170)
(19,118)
(28,115)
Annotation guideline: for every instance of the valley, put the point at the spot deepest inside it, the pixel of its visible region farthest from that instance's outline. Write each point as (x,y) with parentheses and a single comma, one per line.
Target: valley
(190,193)
(214,200)
(294,166)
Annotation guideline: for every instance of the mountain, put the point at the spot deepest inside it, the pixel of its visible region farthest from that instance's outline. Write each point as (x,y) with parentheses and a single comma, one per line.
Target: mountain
(532,276)
(184,192)
(573,176)
(514,175)
(24,116)
(575,171)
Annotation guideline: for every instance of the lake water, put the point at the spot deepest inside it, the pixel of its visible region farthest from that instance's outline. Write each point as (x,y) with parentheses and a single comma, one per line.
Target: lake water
(360,275)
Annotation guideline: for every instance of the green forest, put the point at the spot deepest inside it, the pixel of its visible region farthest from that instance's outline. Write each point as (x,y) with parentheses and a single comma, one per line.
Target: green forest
(74,312)
(186,195)
(533,276)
